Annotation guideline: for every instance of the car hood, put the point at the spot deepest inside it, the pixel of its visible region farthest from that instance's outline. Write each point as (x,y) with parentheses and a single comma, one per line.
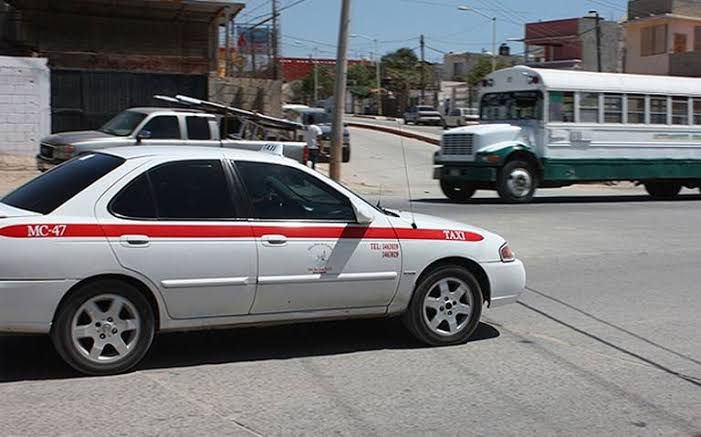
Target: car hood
(74,137)
(425,221)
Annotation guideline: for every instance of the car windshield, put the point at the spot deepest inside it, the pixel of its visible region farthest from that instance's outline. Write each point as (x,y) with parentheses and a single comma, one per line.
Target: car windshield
(518,105)
(123,123)
(316,117)
(52,189)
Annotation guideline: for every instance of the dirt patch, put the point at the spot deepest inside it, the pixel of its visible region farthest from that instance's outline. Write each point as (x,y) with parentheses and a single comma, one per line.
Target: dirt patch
(15,170)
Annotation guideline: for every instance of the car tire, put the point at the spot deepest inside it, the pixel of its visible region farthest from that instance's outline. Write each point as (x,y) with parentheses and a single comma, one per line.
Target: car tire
(446,307)
(517,182)
(663,190)
(457,191)
(346,154)
(104,328)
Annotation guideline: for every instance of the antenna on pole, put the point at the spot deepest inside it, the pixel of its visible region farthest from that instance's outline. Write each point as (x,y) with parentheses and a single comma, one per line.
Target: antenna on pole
(406,174)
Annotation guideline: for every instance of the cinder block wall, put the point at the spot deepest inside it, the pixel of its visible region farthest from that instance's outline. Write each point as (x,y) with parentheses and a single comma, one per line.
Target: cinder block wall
(25,113)
(262,95)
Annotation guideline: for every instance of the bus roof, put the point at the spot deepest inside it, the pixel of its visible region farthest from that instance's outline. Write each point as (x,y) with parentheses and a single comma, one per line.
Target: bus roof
(573,80)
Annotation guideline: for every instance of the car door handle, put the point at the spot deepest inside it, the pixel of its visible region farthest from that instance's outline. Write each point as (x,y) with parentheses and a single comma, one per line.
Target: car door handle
(274,240)
(134,240)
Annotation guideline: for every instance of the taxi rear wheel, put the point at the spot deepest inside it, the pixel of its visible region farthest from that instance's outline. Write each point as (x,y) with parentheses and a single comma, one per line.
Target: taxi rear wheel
(445,308)
(104,327)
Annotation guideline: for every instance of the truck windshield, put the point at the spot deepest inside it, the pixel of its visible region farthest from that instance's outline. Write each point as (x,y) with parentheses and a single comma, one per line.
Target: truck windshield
(517,105)
(316,117)
(123,123)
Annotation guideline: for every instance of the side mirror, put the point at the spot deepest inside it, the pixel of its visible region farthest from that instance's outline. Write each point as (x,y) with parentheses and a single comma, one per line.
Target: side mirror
(363,213)
(143,135)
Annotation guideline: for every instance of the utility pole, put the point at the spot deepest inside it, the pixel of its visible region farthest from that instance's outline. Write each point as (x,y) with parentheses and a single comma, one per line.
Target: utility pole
(378,79)
(316,76)
(494,44)
(423,73)
(276,72)
(598,40)
(340,92)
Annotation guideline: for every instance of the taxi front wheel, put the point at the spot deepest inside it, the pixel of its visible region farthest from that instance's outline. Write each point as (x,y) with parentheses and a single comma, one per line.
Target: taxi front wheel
(104,327)
(445,308)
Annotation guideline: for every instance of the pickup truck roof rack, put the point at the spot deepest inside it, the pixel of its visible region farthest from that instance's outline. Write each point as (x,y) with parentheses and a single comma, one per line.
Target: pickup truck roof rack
(217,108)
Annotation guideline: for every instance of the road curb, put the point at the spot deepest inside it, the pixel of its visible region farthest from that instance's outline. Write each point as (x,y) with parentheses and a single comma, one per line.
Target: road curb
(396,131)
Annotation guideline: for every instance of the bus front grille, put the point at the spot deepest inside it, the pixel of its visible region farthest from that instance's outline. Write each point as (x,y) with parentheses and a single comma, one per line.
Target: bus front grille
(457,144)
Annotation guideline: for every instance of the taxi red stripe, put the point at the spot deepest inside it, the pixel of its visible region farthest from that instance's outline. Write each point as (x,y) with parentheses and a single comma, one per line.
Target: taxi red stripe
(228,231)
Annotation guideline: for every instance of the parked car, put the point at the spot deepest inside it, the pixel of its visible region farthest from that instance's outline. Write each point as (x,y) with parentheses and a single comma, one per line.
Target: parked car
(423,115)
(112,247)
(461,117)
(319,116)
(161,126)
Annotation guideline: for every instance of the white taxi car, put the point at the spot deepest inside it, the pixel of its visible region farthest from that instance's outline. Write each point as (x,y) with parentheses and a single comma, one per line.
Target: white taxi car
(110,248)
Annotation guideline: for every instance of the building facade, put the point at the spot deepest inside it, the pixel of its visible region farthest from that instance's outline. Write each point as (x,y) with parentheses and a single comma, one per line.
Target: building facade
(572,44)
(456,66)
(663,37)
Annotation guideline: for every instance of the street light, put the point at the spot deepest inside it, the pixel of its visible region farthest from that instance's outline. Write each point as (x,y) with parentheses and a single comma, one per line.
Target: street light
(494,32)
(377,69)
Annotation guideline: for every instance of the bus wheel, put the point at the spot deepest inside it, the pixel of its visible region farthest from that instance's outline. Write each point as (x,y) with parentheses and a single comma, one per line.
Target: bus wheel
(517,182)
(663,190)
(457,191)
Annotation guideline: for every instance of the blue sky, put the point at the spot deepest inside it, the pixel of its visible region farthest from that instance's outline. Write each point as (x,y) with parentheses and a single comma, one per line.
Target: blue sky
(398,23)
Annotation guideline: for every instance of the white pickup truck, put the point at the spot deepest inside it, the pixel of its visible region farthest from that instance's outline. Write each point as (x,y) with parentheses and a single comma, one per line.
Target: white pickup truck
(170,127)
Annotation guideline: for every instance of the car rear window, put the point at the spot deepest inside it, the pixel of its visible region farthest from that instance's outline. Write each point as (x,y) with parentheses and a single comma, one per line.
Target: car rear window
(54,188)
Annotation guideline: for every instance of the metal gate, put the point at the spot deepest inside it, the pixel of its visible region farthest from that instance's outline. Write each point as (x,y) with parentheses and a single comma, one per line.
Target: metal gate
(87,99)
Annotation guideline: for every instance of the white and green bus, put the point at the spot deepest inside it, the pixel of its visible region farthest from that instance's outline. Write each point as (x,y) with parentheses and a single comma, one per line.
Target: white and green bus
(552,128)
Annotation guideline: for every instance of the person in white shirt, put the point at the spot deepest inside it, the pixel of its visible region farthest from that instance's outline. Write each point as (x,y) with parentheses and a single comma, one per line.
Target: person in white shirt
(313,134)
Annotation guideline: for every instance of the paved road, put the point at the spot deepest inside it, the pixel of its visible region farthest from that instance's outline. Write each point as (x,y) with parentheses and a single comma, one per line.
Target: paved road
(605,342)
(430,130)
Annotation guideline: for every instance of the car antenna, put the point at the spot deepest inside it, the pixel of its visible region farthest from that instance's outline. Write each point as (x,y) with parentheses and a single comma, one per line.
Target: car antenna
(406,174)
(379,198)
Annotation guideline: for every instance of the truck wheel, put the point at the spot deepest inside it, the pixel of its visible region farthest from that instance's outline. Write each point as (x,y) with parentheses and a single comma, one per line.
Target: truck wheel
(445,308)
(346,154)
(663,190)
(103,328)
(517,182)
(457,191)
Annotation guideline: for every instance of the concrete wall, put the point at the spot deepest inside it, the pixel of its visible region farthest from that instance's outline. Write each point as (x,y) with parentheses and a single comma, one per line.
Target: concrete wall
(25,114)
(457,65)
(611,45)
(262,95)
(646,8)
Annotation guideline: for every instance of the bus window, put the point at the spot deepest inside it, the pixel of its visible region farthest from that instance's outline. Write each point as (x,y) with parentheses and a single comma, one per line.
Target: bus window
(613,108)
(589,108)
(636,109)
(518,105)
(562,106)
(697,111)
(680,110)
(658,110)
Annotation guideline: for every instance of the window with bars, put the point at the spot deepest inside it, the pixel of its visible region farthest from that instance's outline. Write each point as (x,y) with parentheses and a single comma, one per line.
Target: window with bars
(653,40)
(697,111)
(658,110)
(680,110)
(636,109)
(589,108)
(613,108)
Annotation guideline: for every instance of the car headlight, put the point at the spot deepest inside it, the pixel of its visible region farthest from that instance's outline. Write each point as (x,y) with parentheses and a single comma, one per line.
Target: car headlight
(64,151)
(506,254)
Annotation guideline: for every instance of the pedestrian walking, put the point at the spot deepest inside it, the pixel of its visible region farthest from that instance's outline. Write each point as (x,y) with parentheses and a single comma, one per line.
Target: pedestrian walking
(313,136)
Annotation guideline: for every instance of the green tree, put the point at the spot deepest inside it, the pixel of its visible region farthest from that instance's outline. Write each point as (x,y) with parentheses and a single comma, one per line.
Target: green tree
(325,83)
(402,73)
(361,80)
(481,70)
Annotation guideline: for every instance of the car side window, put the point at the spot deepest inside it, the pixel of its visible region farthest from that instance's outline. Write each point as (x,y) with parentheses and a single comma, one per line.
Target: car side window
(279,192)
(182,190)
(163,127)
(135,200)
(198,128)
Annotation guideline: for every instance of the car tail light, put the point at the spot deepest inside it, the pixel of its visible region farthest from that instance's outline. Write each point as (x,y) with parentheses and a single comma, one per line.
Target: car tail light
(506,254)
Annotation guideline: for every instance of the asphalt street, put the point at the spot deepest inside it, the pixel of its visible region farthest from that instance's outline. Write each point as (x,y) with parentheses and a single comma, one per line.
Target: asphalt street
(604,342)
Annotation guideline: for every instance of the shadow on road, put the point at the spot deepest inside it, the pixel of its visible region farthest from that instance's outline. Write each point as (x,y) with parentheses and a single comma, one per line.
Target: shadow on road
(565,199)
(33,357)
